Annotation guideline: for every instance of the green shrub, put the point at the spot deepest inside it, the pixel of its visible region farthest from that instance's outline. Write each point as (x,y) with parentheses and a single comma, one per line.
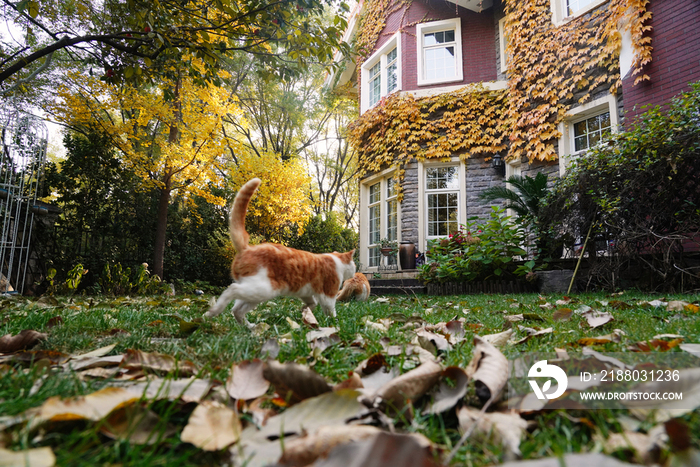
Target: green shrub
(478,251)
(324,234)
(116,280)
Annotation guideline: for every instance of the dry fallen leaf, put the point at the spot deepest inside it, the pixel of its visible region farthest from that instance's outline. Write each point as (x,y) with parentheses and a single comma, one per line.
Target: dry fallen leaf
(646,448)
(401,450)
(690,348)
(158,363)
(506,429)
(212,426)
(532,333)
(305,450)
(308,318)
(448,395)
(408,387)
(137,425)
(500,339)
(39,457)
(432,342)
(688,384)
(246,380)
(676,305)
(562,314)
(294,382)
(24,340)
(489,370)
(655,344)
(92,407)
(597,318)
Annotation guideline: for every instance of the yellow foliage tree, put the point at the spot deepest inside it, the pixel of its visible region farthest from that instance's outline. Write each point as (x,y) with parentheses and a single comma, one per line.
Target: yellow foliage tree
(282,201)
(170,135)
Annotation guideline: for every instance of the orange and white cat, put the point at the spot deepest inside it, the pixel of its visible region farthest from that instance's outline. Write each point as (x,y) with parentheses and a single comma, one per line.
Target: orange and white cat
(357,286)
(266,271)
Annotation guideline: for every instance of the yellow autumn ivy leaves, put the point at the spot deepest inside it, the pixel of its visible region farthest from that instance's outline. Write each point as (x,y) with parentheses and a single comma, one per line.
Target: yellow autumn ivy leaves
(551,67)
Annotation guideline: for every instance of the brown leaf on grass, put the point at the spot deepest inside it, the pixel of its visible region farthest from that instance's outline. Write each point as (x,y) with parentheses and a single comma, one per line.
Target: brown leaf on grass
(186,389)
(332,408)
(212,426)
(157,363)
(270,349)
(322,338)
(432,342)
(402,450)
(691,308)
(655,344)
(596,318)
(505,429)
(353,381)
(372,364)
(39,457)
(305,450)
(37,357)
(619,305)
(101,352)
(93,407)
(246,380)
(137,425)
(455,331)
(499,340)
(532,333)
(408,387)
(562,314)
(294,382)
(448,395)
(645,448)
(489,370)
(615,336)
(676,305)
(93,362)
(308,318)
(24,340)
(55,321)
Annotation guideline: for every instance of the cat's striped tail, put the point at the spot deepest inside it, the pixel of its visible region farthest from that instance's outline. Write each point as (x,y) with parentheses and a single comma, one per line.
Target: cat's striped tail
(236,217)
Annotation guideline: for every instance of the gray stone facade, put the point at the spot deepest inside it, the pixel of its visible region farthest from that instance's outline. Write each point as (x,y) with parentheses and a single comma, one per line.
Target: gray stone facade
(409,205)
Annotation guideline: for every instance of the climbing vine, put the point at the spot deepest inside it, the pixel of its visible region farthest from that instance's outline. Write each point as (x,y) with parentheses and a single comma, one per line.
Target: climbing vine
(550,67)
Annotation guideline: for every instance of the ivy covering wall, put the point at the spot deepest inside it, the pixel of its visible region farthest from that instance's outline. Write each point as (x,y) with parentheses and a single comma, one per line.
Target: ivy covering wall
(551,69)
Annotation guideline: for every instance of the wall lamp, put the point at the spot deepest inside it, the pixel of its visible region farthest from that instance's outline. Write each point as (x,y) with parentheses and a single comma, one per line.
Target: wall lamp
(498,164)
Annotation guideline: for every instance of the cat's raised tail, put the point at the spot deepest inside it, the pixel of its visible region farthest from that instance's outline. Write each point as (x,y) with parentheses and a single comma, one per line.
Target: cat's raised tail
(236,217)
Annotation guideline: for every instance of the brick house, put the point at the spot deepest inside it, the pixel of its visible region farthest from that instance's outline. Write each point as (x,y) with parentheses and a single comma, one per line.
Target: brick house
(448,89)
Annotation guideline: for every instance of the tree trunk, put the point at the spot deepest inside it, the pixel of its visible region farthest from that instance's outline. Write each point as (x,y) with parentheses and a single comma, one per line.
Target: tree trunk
(161,226)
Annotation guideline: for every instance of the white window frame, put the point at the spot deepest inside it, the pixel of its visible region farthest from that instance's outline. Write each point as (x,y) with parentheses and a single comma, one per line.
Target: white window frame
(423,198)
(561,16)
(566,127)
(435,26)
(380,56)
(381,178)
(503,44)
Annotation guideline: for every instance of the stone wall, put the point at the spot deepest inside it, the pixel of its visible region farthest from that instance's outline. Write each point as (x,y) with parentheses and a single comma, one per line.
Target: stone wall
(409,205)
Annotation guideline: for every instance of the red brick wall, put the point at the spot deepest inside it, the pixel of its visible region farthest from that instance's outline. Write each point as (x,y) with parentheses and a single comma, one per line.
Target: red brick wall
(675,58)
(478,39)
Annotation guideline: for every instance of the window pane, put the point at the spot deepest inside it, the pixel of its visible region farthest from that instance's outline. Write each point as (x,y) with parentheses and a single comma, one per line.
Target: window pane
(580,143)
(374,224)
(572,6)
(375,90)
(374,193)
(392,77)
(442,214)
(391,56)
(390,187)
(374,257)
(589,132)
(442,178)
(392,220)
(449,36)
(440,63)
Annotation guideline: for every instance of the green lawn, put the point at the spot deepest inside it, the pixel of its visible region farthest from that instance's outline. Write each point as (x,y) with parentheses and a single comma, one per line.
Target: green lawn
(163,325)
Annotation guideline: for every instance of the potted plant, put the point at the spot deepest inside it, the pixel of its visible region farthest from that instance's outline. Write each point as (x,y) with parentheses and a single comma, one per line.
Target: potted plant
(388,247)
